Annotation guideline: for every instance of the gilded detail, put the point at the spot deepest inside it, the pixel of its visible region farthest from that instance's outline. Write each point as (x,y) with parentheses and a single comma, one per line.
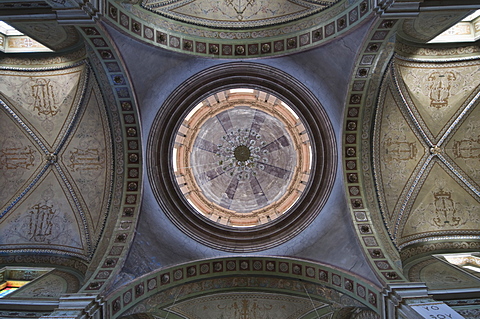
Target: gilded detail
(445,209)
(440,85)
(40,222)
(89,159)
(44,97)
(17,157)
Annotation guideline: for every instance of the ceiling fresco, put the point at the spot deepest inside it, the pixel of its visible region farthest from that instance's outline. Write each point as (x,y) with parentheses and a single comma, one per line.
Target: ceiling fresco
(426,139)
(242,158)
(236,29)
(258,177)
(248,305)
(55,153)
(236,14)
(254,285)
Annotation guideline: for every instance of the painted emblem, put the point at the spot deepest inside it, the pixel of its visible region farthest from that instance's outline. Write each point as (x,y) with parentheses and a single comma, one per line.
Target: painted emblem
(40,223)
(445,210)
(467,148)
(44,98)
(16,157)
(240,6)
(89,159)
(399,151)
(439,85)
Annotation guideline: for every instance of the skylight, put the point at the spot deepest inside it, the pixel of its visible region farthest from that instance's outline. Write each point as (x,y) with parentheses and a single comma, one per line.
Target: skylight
(8,30)
(467,30)
(13,41)
(469,261)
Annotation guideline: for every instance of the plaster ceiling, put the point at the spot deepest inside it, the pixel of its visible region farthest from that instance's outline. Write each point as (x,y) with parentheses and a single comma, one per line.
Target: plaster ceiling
(439,274)
(55,157)
(426,151)
(249,305)
(242,157)
(238,28)
(236,14)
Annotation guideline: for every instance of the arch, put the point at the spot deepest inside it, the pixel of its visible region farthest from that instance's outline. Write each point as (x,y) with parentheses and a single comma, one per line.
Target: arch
(163,289)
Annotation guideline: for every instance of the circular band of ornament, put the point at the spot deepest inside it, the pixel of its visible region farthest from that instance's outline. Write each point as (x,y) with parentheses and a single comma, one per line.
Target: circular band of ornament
(177,148)
(242,157)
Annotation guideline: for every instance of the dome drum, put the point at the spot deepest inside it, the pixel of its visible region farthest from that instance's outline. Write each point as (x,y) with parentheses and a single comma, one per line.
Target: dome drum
(194,205)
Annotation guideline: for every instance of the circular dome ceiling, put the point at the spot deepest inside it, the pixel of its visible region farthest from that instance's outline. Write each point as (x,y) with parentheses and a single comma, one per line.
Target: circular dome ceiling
(243,159)
(237,29)
(238,13)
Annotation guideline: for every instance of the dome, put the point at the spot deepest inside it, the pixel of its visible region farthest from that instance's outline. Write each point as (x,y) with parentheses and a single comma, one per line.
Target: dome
(242,157)
(250,161)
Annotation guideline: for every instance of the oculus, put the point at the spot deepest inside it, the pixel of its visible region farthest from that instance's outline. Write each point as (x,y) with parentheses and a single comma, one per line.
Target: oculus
(241,157)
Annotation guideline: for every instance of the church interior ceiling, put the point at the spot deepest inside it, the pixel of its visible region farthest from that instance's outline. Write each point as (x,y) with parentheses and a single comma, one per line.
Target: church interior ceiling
(237,29)
(236,14)
(56,154)
(242,287)
(71,155)
(426,152)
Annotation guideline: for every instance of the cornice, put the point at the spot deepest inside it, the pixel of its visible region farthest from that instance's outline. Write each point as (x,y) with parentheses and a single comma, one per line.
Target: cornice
(282,39)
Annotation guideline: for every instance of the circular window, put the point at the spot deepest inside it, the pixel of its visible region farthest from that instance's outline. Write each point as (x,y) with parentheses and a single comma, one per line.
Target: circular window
(241,157)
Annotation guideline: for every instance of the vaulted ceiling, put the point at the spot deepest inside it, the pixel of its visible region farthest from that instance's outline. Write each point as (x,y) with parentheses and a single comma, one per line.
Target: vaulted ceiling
(56,158)
(425,150)
(389,126)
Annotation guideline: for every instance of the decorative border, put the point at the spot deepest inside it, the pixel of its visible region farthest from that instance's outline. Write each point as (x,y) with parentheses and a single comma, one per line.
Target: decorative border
(361,100)
(167,9)
(429,247)
(248,271)
(124,122)
(23,59)
(187,38)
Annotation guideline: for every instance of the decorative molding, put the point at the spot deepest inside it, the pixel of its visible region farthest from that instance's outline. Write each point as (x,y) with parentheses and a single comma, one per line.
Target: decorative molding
(191,93)
(239,14)
(434,53)
(127,183)
(280,39)
(366,79)
(259,274)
